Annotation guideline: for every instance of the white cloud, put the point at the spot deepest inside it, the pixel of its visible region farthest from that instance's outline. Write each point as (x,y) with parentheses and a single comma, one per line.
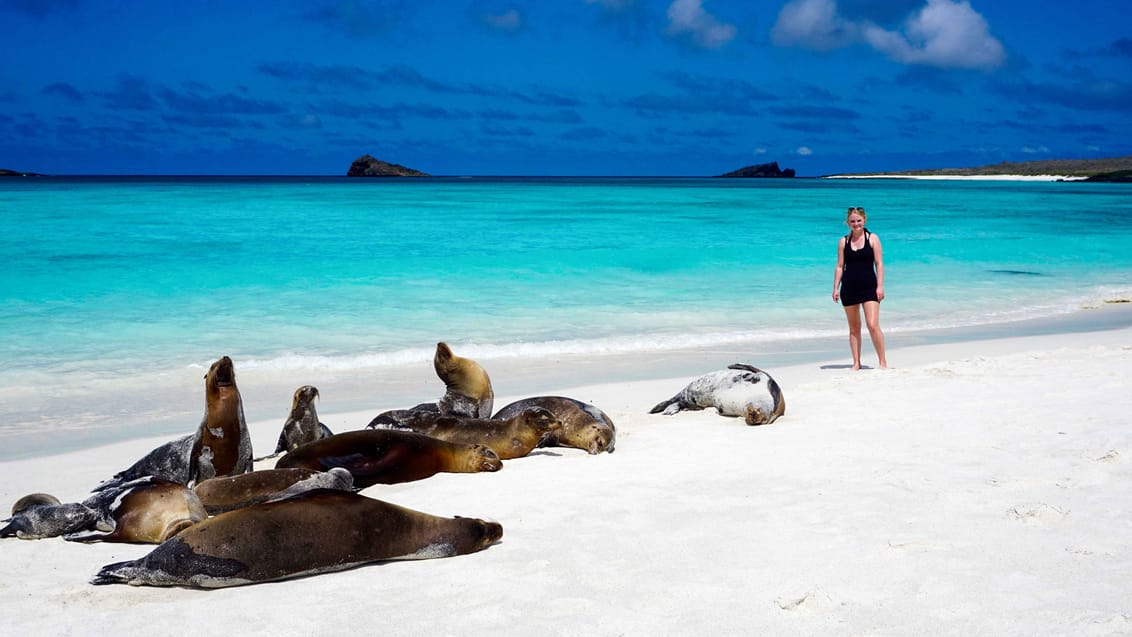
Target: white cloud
(510,20)
(813,24)
(946,33)
(804,151)
(943,33)
(688,17)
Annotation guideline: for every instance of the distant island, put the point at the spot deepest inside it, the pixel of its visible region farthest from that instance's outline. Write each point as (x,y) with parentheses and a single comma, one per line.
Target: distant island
(369,166)
(1104,169)
(4,172)
(760,170)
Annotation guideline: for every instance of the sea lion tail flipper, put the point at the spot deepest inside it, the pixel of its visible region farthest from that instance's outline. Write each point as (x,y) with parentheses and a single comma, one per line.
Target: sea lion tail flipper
(274,455)
(744,366)
(117,573)
(663,406)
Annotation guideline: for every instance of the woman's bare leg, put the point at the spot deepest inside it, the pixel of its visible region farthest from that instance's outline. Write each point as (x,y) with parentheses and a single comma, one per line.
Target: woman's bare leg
(872,320)
(853,314)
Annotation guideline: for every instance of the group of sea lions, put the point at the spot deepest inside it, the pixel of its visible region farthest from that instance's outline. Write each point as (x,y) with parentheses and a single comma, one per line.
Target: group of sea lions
(218,522)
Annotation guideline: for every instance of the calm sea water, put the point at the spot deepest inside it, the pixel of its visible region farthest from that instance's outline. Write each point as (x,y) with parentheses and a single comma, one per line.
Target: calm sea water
(117,293)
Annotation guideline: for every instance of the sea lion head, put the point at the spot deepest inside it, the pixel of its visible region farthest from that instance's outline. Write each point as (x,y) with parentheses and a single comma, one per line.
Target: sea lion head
(460,373)
(304,397)
(482,458)
(545,422)
(221,377)
(33,500)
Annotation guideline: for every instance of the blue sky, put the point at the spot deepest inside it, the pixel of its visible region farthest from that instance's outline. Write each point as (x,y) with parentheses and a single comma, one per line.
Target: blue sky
(568,87)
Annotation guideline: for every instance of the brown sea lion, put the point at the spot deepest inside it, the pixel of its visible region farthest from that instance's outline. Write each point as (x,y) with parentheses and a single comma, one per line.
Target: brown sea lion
(302,425)
(387,456)
(584,426)
(145,511)
(469,392)
(315,532)
(511,438)
(740,390)
(220,445)
(233,492)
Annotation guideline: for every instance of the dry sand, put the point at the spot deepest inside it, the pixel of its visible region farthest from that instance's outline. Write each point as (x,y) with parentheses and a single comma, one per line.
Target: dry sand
(980,487)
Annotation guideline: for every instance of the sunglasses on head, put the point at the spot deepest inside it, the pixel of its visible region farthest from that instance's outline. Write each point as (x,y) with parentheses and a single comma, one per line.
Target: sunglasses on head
(856,209)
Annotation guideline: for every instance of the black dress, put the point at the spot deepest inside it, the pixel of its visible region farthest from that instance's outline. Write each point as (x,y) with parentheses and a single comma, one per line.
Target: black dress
(858,278)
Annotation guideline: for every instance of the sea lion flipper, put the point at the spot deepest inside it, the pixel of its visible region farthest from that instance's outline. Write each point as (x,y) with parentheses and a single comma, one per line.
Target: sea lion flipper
(744,366)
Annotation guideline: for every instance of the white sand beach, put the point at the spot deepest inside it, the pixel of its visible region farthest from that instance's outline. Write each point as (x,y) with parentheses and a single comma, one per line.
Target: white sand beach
(978,487)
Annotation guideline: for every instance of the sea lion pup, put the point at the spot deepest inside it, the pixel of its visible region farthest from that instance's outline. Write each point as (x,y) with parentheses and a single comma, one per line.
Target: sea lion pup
(40,515)
(469,392)
(145,511)
(388,456)
(302,425)
(315,532)
(511,438)
(233,492)
(220,446)
(740,390)
(584,426)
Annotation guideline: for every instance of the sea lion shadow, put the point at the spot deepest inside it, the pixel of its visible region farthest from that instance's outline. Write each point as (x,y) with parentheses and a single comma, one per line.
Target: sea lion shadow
(845,366)
(542,452)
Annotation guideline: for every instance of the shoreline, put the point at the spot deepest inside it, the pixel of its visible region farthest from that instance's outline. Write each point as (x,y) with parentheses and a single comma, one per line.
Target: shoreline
(963,177)
(971,488)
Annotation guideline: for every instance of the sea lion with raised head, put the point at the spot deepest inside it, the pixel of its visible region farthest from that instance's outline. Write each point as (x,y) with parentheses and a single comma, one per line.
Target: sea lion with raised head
(220,445)
(302,425)
(233,492)
(511,438)
(388,456)
(469,393)
(740,390)
(584,426)
(315,532)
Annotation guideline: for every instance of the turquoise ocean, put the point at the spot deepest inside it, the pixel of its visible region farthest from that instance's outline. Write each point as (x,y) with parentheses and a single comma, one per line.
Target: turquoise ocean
(117,293)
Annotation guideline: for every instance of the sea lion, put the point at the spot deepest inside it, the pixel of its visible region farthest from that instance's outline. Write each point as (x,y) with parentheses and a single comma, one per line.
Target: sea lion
(740,390)
(302,425)
(584,426)
(233,492)
(40,515)
(145,511)
(469,392)
(510,438)
(387,456)
(315,532)
(220,445)
(400,417)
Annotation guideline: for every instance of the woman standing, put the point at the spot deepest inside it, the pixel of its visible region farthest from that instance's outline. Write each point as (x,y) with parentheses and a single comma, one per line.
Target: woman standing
(859,281)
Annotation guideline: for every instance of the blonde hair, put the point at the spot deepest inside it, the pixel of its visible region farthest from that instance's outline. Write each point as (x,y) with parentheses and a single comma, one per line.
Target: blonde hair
(856,210)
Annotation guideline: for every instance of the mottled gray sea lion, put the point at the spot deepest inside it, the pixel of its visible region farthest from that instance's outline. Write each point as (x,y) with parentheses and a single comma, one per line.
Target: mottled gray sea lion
(233,492)
(469,393)
(40,515)
(302,425)
(509,438)
(220,446)
(740,390)
(387,456)
(315,532)
(584,426)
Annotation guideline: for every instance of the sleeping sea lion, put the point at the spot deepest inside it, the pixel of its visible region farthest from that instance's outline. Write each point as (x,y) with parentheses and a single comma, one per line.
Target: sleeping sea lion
(740,390)
(469,392)
(40,515)
(302,425)
(584,426)
(220,445)
(233,492)
(315,532)
(146,511)
(511,438)
(387,456)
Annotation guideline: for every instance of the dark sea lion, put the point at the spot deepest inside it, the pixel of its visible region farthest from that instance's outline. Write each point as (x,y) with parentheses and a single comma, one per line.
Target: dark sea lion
(220,445)
(146,511)
(302,425)
(40,515)
(233,492)
(511,438)
(387,456)
(584,426)
(315,532)
(398,417)
(469,393)
(740,390)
